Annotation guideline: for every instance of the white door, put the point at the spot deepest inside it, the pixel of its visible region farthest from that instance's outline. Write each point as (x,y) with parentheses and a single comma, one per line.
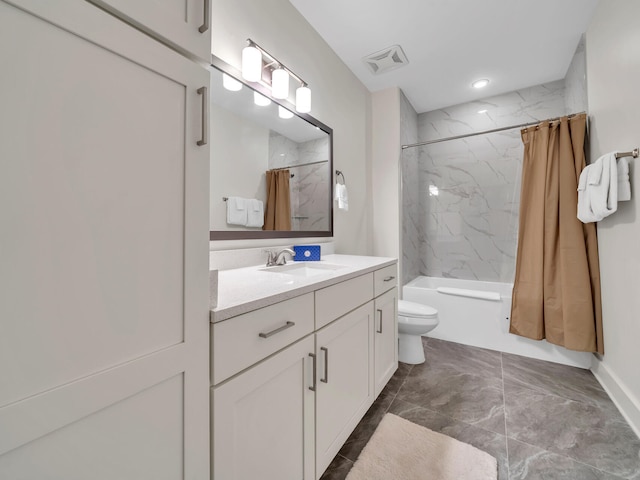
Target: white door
(184,23)
(103,250)
(344,351)
(263,420)
(386,338)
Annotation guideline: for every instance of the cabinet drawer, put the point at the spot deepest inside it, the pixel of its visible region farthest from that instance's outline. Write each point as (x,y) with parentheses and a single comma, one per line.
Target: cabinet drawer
(246,339)
(334,301)
(385,279)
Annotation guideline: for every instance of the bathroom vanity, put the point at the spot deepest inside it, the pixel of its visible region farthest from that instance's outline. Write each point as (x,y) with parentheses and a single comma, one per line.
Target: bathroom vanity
(299,353)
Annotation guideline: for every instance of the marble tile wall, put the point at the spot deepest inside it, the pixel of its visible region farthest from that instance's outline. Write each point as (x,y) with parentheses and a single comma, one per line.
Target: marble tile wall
(469,189)
(410,192)
(309,195)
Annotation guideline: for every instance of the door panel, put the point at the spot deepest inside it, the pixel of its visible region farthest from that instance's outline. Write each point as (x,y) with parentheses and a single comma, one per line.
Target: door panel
(386,338)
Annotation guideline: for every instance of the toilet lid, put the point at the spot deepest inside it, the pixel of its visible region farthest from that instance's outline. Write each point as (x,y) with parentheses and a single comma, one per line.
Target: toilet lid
(413,309)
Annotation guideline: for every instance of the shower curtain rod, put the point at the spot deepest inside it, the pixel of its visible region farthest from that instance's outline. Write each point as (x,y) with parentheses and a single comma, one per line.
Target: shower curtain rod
(522,125)
(301,165)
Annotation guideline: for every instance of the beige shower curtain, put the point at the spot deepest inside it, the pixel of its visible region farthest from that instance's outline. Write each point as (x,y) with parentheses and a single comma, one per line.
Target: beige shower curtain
(277,213)
(556,293)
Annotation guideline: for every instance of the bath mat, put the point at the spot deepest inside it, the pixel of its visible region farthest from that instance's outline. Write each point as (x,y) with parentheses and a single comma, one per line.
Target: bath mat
(401,450)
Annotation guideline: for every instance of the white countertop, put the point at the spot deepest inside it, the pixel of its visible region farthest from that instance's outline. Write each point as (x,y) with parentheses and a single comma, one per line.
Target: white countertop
(242,290)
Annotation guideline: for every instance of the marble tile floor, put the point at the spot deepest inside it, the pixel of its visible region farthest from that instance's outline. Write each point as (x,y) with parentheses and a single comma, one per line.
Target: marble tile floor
(541,420)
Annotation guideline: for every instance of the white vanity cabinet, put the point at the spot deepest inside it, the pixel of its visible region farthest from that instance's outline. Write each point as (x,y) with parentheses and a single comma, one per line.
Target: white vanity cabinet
(344,351)
(264,419)
(185,24)
(104,200)
(283,406)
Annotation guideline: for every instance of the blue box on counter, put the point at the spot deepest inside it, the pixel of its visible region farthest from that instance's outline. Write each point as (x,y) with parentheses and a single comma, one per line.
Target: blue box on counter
(306,253)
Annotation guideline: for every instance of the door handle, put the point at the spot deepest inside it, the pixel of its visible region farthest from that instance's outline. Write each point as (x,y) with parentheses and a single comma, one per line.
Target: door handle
(326,365)
(207,16)
(204,91)
(380,312)
(313,387)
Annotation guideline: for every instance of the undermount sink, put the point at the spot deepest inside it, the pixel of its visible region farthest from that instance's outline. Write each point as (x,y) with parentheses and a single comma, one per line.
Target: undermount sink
(306,269)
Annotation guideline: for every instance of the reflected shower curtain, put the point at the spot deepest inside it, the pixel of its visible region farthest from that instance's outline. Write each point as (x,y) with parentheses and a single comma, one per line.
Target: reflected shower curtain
(556,293)
(277,213)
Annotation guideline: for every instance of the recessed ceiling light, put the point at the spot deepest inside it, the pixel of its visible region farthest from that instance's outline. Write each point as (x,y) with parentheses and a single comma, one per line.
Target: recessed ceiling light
(483,111)
(480,83)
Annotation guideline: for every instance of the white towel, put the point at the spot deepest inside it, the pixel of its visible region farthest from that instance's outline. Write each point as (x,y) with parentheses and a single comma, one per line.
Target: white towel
(598,189)
(255,213)
(624,186)
(342,197)
(237,211)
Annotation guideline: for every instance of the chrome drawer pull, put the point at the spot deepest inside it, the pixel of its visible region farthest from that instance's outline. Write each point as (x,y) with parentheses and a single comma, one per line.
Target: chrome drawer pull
(388,279)
(207,15)
(326,365)
(380,312)
(277,330)
(313,388)
(204,91)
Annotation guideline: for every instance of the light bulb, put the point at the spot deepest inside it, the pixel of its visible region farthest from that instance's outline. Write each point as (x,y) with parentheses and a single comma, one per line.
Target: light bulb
(303,99)
(284,113)
(280,83)
(231,83)
(260,99)
(251,64)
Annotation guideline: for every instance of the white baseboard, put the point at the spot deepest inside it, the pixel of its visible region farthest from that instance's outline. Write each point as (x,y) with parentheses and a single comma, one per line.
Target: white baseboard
(626,402)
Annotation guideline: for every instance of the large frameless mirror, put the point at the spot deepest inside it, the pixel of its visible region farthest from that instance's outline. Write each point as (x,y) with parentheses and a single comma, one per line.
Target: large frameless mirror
(270,166)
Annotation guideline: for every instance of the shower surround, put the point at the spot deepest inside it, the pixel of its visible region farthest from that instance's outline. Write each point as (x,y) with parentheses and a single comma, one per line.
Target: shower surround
(461,198)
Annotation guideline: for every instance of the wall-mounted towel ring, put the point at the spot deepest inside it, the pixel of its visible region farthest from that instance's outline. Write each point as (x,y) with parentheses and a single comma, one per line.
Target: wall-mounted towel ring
(338,174)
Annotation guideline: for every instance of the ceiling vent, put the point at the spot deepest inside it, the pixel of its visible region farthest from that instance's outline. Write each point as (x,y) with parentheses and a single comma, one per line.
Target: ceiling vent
(385,60)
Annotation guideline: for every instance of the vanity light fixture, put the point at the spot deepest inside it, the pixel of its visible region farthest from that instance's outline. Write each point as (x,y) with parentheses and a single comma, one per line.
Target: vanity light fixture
(231,83)
(280,83)
(483,82)
(258,65)
(260,99)
(284,113)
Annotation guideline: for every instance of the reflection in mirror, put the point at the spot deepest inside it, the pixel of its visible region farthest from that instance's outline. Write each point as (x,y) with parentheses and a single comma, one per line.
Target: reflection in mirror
(270,176)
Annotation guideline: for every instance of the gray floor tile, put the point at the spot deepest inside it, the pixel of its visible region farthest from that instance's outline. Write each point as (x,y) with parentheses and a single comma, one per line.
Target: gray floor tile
(397,379)
(592,435)
(463,358)
(562,380)
(490,442)
(527,462)
(338,469)
(473,399)
(363,431)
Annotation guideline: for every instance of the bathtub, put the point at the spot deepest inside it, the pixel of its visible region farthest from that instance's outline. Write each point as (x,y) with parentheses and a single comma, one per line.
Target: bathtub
(477,313)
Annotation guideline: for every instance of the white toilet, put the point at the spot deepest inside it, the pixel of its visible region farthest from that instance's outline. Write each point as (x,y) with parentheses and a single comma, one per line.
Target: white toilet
(414,320)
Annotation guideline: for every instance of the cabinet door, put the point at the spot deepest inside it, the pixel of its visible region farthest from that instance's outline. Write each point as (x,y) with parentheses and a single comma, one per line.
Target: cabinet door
(263,419)
(183,23)
(386,338)
(345,381)
(103,277)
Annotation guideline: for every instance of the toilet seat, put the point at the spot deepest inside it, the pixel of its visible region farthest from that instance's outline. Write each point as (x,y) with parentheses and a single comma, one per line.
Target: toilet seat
(415,310)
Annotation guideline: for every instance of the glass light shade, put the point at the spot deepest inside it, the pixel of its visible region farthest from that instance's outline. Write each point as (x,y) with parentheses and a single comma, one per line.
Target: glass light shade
(231,83)
(303,100)
(480,83)
(280,83)
(251,64)
(284,113)
(260,99)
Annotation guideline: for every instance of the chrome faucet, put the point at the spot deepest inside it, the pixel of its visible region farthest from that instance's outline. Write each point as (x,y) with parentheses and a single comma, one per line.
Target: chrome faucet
(278,258)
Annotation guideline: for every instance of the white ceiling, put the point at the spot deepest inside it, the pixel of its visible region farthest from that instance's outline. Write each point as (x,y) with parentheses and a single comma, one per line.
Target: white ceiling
(451,43)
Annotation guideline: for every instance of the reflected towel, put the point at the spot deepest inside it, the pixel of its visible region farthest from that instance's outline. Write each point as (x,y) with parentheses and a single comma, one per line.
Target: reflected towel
(624,186)
(342,197)
(598,189)
(255,213)
(237,211)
